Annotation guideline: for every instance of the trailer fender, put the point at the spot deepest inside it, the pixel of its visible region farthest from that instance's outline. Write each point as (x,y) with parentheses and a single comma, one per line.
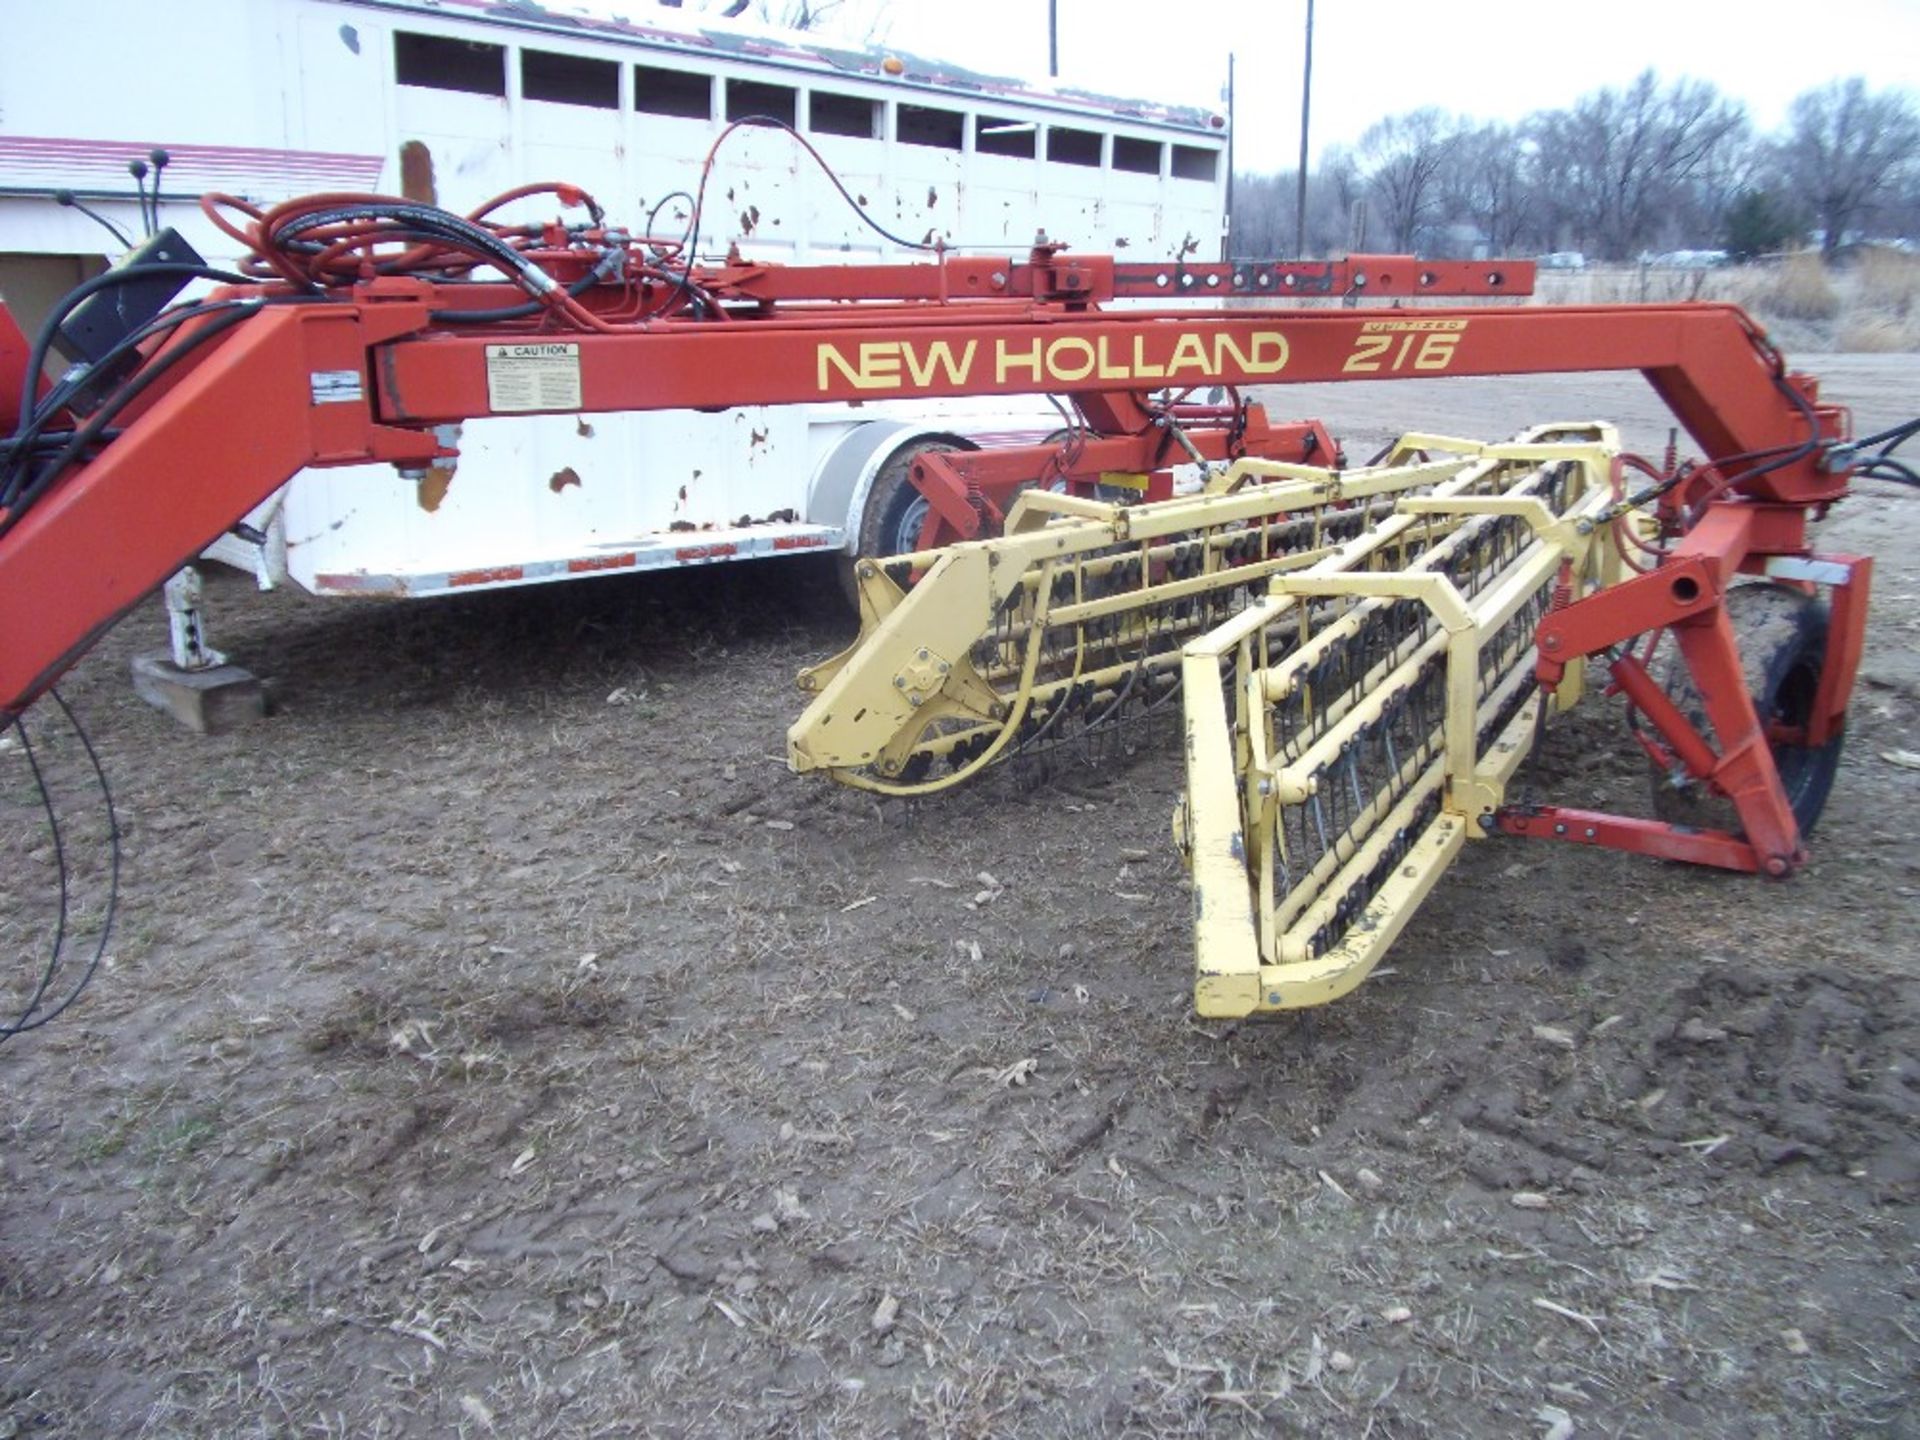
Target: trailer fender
(843,483)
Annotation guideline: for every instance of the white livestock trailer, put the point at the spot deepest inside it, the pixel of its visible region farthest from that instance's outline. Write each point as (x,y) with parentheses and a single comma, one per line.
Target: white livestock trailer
(459,100)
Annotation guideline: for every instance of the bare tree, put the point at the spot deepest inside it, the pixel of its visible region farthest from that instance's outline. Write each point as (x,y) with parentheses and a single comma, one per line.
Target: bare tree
(1488,181)
(1262,215)
(1622,159)
(1849,154)
(1265,221)
(1403,156)
(1333,192)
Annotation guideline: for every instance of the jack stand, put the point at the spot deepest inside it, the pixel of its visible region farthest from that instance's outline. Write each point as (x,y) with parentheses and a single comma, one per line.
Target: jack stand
(194,683)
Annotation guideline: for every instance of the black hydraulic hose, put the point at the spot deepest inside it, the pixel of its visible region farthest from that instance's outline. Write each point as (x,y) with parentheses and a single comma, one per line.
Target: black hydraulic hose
(43,342)
(531,307)
(36,1011)
(27,436)
(1887,468)
(1896,435)
(434,224)
(88,433)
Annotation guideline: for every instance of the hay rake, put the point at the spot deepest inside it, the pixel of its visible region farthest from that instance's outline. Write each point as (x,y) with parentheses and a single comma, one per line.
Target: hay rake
(1355,648)
(1365,654)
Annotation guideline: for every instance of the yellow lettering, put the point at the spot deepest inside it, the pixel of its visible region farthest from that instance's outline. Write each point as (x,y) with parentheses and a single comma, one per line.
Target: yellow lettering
(1225,347)
(1005,362)
(893,364)
(1382,327)
(1083,367)
(1189,354)
(879,365)
(1269,353)
(830,360)
(940,356)
(1436,351)
(1366,354)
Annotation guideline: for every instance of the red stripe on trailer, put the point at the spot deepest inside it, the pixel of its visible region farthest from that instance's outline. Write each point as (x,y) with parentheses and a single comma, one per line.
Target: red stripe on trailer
(586,565)
(798,542)
(705,552)
(495,576)
(118,150)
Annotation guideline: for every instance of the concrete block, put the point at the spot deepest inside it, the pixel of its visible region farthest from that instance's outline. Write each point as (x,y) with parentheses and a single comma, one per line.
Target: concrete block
(209,701)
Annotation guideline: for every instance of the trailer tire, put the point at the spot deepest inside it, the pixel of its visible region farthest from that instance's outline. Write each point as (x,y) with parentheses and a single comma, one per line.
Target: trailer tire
(891,519)
(1783,646)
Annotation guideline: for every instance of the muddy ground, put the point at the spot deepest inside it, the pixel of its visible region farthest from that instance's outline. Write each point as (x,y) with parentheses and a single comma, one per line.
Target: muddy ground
(498,1041)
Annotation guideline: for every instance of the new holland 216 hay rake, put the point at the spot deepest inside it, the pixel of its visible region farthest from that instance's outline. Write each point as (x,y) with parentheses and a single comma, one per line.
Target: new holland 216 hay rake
(1364,654)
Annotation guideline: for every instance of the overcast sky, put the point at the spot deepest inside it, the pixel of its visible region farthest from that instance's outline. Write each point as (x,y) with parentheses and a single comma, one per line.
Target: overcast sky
(1492,59)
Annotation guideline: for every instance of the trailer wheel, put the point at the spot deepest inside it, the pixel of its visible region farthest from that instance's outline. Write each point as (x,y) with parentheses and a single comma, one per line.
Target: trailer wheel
(895,511)
(1783,645)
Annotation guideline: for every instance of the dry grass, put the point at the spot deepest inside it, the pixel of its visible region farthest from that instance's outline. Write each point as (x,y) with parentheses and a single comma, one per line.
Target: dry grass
(1871,334)
(1888,281)
(1871,306)
(1797,289)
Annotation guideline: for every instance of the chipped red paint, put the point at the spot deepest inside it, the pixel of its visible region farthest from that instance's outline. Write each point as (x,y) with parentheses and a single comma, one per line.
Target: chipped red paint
(704,552)
(799,542)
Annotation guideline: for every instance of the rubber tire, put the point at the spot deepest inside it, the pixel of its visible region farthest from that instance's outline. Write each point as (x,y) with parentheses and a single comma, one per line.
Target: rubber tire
(890,503)
(1782,635)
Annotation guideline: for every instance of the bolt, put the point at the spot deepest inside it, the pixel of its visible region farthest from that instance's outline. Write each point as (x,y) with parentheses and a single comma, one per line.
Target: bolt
(1591,832)
(899,682)
(1488,823)
(1559,829)
(1552,642)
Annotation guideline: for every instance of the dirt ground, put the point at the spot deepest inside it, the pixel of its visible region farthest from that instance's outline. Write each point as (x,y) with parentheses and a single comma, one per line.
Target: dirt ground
(498,1041)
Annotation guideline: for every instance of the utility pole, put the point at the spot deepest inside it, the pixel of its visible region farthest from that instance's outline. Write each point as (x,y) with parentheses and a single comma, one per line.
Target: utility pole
(1226,239)
(1306,113)
(1053,39)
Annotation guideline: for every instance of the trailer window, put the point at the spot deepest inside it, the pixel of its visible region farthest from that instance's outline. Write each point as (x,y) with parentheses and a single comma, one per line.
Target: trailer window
(939,129)
(756,97)
(1136,157)
(681,93)
(1073,147)
(998,135)
(569,79)
(1190,162)
(439,62)
(831,114)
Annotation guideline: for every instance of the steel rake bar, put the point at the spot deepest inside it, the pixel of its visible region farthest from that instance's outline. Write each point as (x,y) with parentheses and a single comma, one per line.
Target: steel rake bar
(1065,633)
(1333,775)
